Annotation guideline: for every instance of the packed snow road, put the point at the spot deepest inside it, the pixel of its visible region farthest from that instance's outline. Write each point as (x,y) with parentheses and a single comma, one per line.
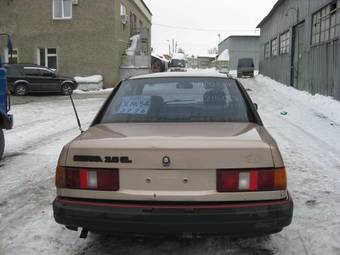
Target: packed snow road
(306,128)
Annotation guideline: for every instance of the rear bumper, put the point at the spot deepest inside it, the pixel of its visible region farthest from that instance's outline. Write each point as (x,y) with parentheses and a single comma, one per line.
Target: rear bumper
(145,219)
(246,73)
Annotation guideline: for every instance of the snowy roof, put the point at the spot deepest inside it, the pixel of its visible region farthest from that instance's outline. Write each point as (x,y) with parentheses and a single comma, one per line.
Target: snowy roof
(159,57)
(224,56)
(207,56)
(180,56)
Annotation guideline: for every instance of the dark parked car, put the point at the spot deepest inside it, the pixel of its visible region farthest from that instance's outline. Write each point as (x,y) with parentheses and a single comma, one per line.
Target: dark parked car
(245,67)
(25,78)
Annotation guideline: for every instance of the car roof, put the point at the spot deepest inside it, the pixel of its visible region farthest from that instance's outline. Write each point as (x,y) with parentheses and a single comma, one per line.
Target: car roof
(181,75)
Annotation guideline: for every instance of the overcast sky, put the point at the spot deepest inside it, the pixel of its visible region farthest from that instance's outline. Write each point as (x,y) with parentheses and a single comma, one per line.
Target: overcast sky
(186,21)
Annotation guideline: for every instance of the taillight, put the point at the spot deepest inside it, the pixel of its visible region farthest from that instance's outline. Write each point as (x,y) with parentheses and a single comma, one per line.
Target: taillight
(87,179)
(251,180)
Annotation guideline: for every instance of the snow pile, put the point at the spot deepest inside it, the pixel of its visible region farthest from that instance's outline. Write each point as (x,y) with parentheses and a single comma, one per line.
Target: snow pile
(94,92)
(94,82)
(323,106)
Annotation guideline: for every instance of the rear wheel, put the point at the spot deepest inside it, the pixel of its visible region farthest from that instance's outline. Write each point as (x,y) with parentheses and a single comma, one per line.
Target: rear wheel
(67,89)
(21,90)
(2,143)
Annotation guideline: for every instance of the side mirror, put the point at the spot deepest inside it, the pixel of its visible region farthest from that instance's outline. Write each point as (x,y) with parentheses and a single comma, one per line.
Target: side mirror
(256,107)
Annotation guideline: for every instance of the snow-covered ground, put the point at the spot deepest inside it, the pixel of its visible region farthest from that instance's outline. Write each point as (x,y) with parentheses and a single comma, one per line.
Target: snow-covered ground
(307,129)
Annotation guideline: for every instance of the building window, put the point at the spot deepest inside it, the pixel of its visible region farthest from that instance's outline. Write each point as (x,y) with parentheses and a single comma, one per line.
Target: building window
(48,57)
(284,43)
(274,47)
(267,50)
(123,11)
(325,23)
(62,9)
(14,59)
(123,15)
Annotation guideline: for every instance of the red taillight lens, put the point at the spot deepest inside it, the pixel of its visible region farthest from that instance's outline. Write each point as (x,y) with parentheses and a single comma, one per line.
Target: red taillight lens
(87,179)
(108,180)
(266,180)
(228,181)
(251,180)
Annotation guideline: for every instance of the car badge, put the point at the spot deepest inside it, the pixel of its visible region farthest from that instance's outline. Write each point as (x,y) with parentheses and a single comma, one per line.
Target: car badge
(166,161)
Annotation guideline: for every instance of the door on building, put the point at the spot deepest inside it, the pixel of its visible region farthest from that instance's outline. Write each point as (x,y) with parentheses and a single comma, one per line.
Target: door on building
(298,56)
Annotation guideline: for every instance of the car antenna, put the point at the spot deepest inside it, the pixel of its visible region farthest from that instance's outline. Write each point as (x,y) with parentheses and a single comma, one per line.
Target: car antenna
(76,113)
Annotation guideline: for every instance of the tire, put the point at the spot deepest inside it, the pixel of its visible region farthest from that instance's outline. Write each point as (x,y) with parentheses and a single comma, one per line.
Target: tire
(2,143)
(67,89)
(21,90)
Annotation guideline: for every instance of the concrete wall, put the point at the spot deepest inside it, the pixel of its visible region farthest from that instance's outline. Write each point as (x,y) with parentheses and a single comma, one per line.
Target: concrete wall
(321,62)
(241,47)
(90,43)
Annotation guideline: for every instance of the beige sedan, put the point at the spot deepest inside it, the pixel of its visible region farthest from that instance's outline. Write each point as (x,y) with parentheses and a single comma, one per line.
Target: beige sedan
(174,153)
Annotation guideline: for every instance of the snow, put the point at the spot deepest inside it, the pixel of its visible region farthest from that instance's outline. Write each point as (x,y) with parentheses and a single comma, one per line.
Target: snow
(131,51)
(207,56)
(326,107)
(224,56)
(160,57)
(89,79)
(94,82)
(100,91)
(179,56)
(307,134)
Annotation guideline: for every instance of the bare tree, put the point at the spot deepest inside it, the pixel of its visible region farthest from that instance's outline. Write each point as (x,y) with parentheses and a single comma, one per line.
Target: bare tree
(213,50)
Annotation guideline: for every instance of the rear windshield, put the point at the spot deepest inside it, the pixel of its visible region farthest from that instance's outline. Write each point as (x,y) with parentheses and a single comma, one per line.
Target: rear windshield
(178,100)
(178,63)
(246,62)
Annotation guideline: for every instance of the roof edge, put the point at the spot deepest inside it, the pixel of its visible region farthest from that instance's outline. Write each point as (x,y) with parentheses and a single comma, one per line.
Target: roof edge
(235,36)
(148,9)
(270,14)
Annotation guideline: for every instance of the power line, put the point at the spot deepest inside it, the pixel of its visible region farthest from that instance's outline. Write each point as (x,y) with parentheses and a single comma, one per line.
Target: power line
(203,29)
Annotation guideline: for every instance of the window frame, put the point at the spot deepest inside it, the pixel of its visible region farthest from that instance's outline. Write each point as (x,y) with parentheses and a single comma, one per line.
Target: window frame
(267,50)
(14,56)
(323,30)
(63,17)
(123,10)
(272,52)
(47,55)
(284,44)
